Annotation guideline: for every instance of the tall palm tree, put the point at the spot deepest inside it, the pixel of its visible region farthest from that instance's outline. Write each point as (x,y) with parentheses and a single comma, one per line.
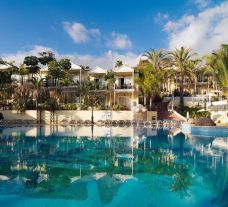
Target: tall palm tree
(151,74)
(67,81)
(23,71)
(219,62)
(37,84)
(22,97)
(110,80)
(159,59)
(209,73)
(183,62)
(150,83)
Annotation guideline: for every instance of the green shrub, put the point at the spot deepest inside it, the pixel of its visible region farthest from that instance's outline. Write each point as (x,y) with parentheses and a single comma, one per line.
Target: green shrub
(193,112)
(200,114)
(214,98)
(100,107)
(83,106)
(70,106)
(51,104)
(119,107)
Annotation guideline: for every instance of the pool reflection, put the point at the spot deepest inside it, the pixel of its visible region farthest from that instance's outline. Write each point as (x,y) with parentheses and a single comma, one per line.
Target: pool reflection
(72,163)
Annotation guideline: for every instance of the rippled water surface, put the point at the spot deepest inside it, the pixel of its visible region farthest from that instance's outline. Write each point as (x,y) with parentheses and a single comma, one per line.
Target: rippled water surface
(66,166)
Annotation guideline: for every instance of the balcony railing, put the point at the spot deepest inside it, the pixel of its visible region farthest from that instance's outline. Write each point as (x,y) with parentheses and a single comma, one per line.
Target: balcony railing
(98,87)
(124,86)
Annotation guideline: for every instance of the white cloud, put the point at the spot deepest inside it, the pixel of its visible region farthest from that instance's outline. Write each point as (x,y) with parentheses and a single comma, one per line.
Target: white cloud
(19,56)
(203,32)
(119,41)
(160,17)
(106,60)
(79,33)
(202,3)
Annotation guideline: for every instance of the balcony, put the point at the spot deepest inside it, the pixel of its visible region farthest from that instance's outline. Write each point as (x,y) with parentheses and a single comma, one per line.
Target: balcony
(97,88)
(124,87)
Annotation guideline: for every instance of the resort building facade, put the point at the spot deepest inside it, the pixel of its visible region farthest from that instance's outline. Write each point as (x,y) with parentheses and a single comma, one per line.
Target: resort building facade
(124,91)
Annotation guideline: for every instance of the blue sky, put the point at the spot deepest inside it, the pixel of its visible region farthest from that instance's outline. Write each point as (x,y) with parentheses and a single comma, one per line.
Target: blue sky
(90,31)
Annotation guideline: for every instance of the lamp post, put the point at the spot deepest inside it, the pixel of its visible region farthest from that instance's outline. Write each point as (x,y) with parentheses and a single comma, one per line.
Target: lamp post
(92,118)
(172,101)
(205,104)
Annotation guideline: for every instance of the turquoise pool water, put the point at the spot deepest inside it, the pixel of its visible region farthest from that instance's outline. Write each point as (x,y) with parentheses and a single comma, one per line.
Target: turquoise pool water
(46,167)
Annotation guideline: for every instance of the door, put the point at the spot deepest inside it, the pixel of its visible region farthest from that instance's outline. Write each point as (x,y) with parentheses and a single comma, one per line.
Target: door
(121,83)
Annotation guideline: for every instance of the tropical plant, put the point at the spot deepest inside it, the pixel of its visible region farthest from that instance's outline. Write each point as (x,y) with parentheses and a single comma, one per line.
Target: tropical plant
(182,181)
(66,81)
(119,63)
(70,106)
(158,59)
(51,104)
(37,84)
(23,71)
(219,62)
(32,63)
(46,57)
(110,81)
(149,82)
(6,87)
(22,98)
(82,106)
(57,70)
(182,60)
(91,96)
(208,72)
(119,107)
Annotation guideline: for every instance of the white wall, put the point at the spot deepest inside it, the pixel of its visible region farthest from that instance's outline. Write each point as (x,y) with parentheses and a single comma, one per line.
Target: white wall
(73,115)
(13,115)
(219,116)
(188,101)
(98,115)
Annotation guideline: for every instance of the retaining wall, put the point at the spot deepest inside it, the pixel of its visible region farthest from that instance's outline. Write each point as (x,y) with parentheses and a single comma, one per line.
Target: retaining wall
(58,116)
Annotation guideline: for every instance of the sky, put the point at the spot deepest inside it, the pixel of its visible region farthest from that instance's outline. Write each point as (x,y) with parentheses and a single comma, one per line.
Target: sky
(99,32)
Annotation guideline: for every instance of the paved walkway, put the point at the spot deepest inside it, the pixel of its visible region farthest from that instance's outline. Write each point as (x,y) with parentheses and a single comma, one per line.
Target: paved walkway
(163,112)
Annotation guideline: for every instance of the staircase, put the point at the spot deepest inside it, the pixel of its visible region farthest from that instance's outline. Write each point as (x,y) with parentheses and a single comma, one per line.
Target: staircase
(163,113)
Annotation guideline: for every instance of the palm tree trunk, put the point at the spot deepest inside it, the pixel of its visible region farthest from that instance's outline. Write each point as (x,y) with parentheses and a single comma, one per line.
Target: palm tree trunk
(37,101)
(182,91)
(110,99)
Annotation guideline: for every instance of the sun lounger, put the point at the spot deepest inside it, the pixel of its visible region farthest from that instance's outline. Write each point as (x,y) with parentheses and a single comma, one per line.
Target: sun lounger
(87,122)
(121,123)
(114,123)
(128,123)
(100,123)
(108,122)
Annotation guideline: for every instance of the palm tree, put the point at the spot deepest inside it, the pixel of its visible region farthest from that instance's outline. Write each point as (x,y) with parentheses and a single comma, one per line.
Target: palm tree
(119,63)
(182,60)
(67,81)
(158,59)
(110,80)
(219,62)
(37,84)
(209,73)
(151,74)
(23,71)
(150,83)
(22,98)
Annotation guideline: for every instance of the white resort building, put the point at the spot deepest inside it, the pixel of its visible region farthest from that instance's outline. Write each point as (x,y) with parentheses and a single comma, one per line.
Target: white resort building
(124,91)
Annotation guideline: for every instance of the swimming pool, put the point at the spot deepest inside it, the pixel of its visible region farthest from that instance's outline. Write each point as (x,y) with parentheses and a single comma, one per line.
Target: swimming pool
(67,166)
